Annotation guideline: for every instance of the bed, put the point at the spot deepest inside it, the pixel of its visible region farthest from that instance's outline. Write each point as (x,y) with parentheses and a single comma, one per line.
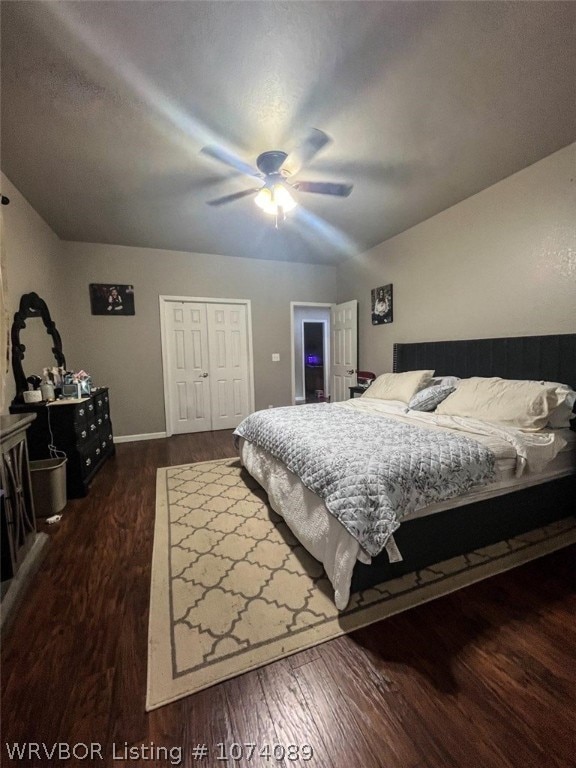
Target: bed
(508,504)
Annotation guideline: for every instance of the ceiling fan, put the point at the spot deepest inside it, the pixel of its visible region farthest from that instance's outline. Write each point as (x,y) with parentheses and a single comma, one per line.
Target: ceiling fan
(276,169)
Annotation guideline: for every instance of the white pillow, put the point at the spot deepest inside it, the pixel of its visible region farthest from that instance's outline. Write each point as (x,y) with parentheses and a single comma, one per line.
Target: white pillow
(523,405)
(563,413)
(398,386)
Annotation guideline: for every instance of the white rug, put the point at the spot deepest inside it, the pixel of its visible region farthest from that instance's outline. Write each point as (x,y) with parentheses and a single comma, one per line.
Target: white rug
(233,590)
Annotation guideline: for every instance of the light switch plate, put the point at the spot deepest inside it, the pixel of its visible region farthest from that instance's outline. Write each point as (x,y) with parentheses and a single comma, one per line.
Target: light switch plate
(275,357)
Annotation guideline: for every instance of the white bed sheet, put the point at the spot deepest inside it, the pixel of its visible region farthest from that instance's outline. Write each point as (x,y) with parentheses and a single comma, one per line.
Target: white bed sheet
(530,451)
(522,460)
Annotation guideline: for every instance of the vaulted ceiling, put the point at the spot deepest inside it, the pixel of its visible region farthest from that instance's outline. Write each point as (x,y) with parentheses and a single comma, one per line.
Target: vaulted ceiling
(105,106)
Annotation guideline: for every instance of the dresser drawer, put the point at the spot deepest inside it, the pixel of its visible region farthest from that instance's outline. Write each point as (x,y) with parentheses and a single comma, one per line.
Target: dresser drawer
(106,439)
(80,414)
(99,421)
(101,402)
(91,455)
(91,427)
(90,409)
(83,434)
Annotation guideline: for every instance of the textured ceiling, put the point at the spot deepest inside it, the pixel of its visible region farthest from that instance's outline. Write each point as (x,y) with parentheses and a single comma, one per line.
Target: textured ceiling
(105,107)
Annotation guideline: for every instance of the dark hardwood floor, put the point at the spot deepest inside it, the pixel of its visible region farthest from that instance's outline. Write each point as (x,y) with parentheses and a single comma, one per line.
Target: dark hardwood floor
(482,677)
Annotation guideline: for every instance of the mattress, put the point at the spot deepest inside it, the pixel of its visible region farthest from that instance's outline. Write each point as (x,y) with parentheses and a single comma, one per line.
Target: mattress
(329,542)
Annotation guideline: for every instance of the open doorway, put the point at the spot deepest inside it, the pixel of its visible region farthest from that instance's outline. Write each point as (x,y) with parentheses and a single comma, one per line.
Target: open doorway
(313,360)
(310,352)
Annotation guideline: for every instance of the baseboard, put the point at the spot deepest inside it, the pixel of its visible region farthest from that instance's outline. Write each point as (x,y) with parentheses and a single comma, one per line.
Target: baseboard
(136,438)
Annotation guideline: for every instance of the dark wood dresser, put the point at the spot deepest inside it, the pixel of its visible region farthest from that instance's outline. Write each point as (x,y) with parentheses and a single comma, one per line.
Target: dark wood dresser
(82,428)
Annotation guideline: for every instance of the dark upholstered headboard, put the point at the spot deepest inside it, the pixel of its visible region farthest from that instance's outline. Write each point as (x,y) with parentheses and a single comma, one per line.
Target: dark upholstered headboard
(551,358)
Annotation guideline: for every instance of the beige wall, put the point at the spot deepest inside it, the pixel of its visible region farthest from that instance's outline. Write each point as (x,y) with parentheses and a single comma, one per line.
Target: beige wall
(125,352)
(502,263)
(32,264)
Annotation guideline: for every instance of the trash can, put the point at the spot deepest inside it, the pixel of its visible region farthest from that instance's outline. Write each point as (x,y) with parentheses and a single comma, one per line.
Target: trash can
(48,486)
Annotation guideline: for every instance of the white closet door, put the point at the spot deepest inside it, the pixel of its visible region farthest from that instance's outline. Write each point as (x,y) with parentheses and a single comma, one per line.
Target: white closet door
(188,367)
(229,379)
(344,348)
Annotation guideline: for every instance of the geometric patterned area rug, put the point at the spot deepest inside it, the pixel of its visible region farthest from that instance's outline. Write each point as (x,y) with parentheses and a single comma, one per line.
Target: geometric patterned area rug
(232,589)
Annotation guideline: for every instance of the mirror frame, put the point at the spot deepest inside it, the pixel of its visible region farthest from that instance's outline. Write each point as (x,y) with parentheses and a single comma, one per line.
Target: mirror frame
(31,305)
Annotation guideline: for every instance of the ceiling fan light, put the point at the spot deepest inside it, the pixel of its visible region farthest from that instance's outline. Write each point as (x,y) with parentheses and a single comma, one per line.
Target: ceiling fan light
(283,198)
(273,198)
(264,200)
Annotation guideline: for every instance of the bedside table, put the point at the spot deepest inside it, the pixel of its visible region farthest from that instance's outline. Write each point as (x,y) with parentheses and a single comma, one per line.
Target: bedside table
(357,391)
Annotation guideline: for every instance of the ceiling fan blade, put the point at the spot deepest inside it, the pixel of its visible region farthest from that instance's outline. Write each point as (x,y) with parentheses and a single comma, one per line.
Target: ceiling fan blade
(232,197)
(324,188)
(303,153)
(229,159)
(397,173)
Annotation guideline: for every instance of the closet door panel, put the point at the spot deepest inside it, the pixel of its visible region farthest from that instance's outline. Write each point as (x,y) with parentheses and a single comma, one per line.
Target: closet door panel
(188,364)
(228,345)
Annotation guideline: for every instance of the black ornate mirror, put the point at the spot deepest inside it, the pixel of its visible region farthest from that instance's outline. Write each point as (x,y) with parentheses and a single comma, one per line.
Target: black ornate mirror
(32,306)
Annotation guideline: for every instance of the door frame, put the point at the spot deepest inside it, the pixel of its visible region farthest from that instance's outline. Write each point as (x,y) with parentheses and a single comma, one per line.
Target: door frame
(163,301)
(293,305)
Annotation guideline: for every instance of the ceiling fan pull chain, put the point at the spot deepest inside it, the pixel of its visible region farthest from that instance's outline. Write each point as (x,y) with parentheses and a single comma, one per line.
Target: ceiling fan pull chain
(280,211)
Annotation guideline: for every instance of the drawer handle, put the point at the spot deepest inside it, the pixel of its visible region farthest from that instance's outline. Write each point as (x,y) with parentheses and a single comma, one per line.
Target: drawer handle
(106,399)
(106,416)
(110,436)
(103,443)
(83,433)
(99,403)
(88,462)
(92,427)
(97,451)
(81,411)
(99,421)
(91,407)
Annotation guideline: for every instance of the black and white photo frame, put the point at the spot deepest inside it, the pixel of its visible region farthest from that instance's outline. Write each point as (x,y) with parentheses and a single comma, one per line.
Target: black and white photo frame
(112,299)
(382,305)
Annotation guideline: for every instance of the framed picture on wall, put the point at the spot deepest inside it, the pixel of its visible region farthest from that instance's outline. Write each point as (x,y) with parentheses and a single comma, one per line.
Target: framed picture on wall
(112,299)
(382,305)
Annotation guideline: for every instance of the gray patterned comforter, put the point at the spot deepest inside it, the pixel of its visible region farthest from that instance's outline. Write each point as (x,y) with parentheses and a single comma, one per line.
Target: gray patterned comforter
(369,470)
